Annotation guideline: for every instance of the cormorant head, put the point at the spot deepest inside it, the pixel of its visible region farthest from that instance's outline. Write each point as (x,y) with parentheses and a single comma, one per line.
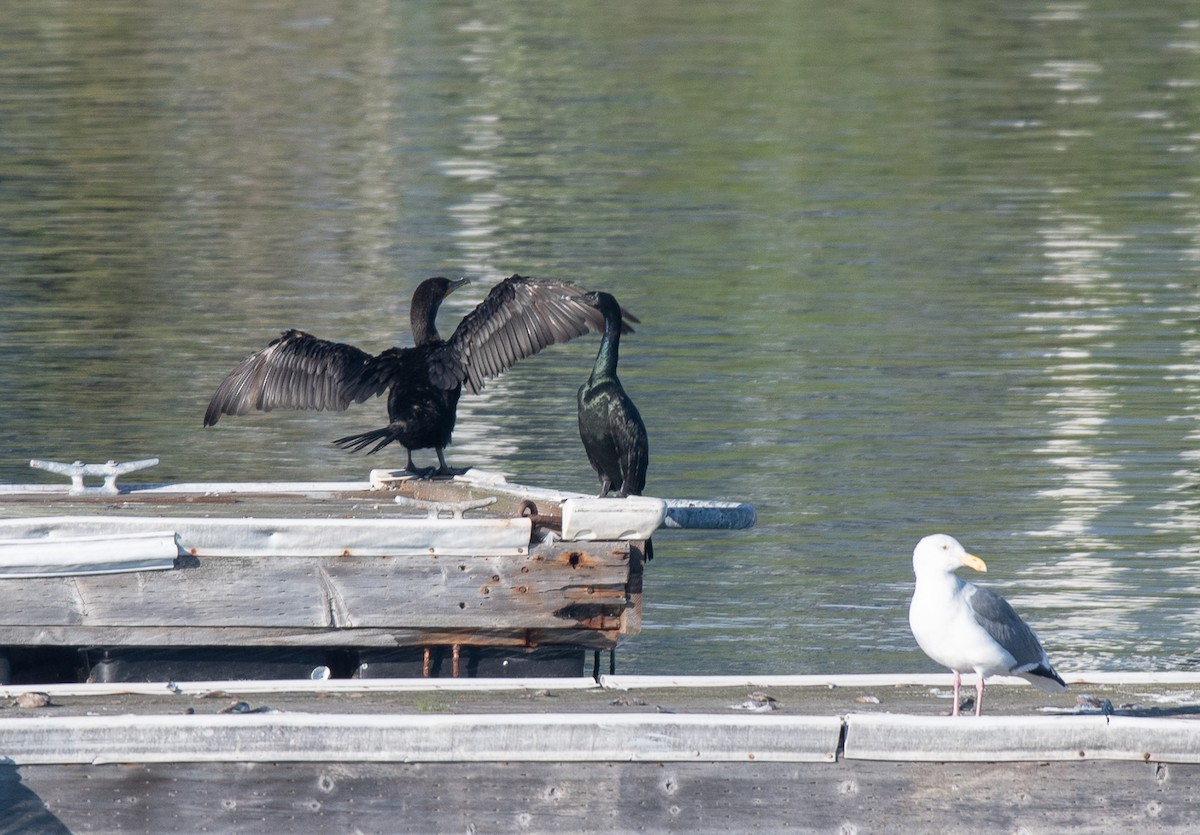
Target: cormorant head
(426,300)
(609,307)
(433,290)
(602,301)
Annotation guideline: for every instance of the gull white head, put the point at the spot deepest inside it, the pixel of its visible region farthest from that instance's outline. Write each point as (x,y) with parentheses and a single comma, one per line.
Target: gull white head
(942,553)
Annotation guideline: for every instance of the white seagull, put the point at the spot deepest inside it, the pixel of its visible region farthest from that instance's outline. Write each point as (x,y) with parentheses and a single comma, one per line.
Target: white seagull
(970,628)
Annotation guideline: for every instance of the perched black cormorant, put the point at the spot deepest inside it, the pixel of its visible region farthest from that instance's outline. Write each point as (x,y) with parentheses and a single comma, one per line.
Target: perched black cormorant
(613,434)
(519,317)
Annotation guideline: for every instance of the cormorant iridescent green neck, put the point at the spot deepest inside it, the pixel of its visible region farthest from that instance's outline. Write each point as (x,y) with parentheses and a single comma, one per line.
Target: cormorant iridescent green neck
(605,367)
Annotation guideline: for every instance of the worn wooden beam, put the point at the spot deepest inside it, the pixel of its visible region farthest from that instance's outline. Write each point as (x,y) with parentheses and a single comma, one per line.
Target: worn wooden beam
(521,797)
(564,586)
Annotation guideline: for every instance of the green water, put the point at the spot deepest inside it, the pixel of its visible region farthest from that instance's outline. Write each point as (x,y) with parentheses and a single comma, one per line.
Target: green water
(901,267)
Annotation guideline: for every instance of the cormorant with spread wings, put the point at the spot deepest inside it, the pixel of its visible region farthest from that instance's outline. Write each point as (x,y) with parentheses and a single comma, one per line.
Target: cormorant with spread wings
(518,318)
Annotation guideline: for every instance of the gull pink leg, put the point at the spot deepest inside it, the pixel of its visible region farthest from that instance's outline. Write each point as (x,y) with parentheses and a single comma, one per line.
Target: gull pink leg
(957,688)
(979,697)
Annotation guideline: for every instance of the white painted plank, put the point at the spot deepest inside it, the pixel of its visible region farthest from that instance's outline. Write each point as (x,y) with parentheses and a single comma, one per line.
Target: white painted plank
(271,488)
(202,488)
(77,555)
(894,737)
(295,537)
(302,737)
(633,682)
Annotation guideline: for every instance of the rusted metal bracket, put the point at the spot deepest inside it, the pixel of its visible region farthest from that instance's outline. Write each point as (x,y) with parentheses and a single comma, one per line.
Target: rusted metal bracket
(427,664)
(78,470)
(545,520)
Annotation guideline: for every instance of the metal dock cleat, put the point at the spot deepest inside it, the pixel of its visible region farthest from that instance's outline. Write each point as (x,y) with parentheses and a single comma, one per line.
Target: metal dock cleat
(78,470)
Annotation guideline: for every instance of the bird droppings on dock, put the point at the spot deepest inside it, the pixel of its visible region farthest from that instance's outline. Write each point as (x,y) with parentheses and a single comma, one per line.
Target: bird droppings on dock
(758,702)
(625,700)
(32,700)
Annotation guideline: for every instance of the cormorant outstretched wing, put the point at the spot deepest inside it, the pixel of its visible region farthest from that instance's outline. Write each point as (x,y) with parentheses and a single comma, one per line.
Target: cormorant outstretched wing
(519,317)
(297,371)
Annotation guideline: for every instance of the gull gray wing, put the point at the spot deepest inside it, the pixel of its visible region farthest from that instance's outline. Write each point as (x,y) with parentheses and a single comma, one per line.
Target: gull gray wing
(997,616)
(296,371)
(518,318)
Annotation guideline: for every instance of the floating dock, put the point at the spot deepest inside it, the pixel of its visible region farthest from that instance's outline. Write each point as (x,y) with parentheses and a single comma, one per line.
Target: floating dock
(407,655)
(389,577)
(1118,753)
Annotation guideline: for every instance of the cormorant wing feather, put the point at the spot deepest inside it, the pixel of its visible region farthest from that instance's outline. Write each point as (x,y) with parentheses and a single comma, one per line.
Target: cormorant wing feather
(519,317)
(297,371)
(994,614)
(631,436)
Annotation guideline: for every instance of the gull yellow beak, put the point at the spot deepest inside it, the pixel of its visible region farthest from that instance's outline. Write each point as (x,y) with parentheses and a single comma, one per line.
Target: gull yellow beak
(972,561)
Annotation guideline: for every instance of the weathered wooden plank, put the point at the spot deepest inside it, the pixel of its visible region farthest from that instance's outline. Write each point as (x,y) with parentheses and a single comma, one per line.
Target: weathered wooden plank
(677,513)
(216,592)
(631,616)
(882,736)
(584,584)
(1178,699)
(556,587)
(93,695)
(300,737)
(694,797)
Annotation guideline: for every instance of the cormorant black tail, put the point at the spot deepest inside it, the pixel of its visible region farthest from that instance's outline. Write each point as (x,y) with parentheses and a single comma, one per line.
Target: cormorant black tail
(357,443)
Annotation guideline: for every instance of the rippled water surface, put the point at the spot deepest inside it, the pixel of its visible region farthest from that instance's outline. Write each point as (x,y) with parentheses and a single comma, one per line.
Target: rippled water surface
(901,268)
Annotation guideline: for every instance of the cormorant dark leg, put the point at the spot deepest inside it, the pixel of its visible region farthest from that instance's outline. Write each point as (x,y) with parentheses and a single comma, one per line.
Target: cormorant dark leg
(419,472)
(442,468)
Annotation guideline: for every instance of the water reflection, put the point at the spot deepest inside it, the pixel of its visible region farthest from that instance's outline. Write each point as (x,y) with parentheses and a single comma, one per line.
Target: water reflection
(900,271)
(1081,400)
